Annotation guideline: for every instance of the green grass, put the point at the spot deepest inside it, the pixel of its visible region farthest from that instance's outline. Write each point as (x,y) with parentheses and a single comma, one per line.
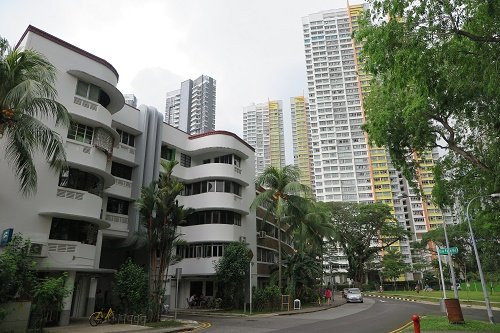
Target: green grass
(437,294)
(165,323)
(436,323)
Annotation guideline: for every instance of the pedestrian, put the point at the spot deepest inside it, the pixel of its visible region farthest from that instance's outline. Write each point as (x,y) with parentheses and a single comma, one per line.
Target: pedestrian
(328,294)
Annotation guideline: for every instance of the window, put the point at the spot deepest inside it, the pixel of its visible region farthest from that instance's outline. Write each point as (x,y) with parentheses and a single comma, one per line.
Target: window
(92,93)
(218,185)
(121,170)
(237,161)
(200,250)
(185,161)
(73,230)
(81,133)
(80,180)
(207,161)
(126,138)
(117,206)
(167,153)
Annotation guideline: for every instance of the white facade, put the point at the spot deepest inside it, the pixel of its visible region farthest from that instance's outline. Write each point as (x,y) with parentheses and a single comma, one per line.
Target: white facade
(85,219)
(192,108)
(263,130)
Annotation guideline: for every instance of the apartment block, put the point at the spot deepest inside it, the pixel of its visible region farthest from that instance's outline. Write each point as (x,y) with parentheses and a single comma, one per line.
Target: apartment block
(192,108)
(345,167)
(301,135)
(85,221)
(263,130)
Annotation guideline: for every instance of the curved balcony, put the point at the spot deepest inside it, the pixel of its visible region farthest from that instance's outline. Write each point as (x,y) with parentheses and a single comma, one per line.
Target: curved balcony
(74,204)
(122,188)
(118,224)
(211,171)
(88,158)
(68,254)
(124,154)
(211,233)
(116,99)
(197,266)
(215,200)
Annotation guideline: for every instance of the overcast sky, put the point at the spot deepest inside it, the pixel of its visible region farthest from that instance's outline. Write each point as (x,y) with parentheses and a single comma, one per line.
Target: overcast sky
(253,48)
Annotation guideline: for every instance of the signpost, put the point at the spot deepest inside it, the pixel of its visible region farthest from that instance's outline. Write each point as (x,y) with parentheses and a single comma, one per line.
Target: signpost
(452,250)
(178,275)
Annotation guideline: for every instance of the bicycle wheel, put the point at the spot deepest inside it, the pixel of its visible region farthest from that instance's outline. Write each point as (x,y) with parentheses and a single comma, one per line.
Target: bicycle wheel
(112,319)
(95,319)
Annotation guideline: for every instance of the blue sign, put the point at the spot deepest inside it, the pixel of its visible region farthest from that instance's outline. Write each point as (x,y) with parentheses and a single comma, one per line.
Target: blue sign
(6,236)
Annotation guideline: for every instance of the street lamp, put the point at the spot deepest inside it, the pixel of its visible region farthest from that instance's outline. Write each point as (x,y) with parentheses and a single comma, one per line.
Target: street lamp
(480,269)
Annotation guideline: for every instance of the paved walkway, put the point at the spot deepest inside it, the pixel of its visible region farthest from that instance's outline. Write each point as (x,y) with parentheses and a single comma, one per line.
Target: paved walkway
(80,327)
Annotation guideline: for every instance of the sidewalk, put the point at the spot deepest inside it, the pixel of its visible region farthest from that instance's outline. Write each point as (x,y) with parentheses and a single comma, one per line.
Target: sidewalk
(220,313)
(80,327)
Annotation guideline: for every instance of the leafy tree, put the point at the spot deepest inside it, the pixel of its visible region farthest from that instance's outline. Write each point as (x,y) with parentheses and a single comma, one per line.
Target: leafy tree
(161,215)
(393,265)
(16,271)
(27,100)
(282,192)
(268,298)
(303,271)
(48,296)
(363,230)
(230,273)
(435,70)
(130,285)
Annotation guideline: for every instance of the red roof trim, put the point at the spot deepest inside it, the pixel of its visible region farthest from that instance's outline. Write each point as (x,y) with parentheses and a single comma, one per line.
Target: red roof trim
(67,45)
(196,136)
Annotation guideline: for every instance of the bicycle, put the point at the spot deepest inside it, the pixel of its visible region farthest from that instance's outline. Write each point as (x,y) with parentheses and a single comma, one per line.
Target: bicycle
(97,318)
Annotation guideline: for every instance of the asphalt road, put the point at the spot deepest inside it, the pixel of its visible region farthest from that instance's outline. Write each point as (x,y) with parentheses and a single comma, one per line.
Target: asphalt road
(374,315)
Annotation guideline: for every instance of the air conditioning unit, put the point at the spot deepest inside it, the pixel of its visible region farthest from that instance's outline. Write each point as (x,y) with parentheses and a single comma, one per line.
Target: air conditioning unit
(38,250)
(261,234)
(243,239)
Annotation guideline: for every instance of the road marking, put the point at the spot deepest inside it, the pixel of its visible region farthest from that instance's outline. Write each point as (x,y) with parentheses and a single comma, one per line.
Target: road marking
(201,326)
(405,326)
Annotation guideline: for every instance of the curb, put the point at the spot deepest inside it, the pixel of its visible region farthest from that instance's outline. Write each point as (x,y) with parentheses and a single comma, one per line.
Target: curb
(392,297)
(264,315)
(164,329)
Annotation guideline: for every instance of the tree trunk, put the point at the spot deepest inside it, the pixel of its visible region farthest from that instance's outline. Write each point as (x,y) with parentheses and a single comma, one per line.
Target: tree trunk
(279,253)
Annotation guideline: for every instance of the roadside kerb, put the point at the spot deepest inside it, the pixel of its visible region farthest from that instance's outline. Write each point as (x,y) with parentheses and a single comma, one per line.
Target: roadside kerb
(392,297)
(263,315)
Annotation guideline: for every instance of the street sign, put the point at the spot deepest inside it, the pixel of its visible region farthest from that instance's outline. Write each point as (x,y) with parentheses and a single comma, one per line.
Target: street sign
(453,250)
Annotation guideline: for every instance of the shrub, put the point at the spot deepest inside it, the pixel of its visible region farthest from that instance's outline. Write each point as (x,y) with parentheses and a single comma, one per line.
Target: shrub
(130,286)
(48,296)
(267,299)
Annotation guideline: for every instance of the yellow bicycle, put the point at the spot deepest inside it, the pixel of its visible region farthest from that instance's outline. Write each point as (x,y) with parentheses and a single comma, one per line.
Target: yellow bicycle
(97,318)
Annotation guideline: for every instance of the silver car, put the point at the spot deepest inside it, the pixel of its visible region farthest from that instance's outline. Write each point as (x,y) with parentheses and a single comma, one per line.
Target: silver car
(354,295)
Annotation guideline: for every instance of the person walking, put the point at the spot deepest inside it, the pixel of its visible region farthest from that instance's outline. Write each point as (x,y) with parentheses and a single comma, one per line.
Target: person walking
(328,294)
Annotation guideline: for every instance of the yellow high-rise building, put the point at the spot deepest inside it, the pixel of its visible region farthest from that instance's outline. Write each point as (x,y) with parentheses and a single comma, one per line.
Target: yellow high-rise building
(302,156)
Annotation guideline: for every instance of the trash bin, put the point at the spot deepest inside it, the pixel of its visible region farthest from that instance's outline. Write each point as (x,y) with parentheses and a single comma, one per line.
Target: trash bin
(454,311)
(296,304)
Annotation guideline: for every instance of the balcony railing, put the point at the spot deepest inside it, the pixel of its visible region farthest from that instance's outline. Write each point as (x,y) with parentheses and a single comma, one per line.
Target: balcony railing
(118,218)
(85,103)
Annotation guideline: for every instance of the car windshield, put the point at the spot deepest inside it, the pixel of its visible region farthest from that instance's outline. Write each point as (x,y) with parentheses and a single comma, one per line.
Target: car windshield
(354,291)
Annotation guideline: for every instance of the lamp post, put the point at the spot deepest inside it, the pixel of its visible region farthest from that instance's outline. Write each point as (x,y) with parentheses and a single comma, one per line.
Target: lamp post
(479,268)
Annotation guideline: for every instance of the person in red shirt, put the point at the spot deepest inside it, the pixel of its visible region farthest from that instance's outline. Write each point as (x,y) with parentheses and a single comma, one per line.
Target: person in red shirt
(328,294)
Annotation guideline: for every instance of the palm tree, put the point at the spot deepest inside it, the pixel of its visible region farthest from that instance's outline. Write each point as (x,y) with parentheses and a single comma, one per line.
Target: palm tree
(282,191)
(28,97)
(161,215)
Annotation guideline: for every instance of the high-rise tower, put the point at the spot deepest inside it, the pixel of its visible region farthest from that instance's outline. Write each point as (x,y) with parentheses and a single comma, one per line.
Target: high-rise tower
(301,139)
(192,108)
(263,129)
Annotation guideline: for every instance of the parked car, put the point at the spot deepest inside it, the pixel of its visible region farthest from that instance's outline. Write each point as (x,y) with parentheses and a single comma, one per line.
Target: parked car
(354,295)
(344,292)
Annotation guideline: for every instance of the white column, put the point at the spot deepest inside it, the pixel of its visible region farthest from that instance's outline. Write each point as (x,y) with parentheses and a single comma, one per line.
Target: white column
(91,296)
(98,247)
(66,308)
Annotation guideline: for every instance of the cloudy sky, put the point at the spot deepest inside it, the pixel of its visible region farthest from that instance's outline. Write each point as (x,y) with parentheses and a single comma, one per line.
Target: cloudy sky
(253,48)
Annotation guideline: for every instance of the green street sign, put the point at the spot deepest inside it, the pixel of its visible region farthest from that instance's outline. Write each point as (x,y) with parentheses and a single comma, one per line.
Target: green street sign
(453,250)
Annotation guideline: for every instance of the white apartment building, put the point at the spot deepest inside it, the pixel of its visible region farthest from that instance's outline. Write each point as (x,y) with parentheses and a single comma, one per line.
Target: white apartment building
(263,130)
(85,220)
(192,108)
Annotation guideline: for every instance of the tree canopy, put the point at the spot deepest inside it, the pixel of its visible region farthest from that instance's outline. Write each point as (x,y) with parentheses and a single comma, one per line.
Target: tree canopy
(436,83)
(363,230)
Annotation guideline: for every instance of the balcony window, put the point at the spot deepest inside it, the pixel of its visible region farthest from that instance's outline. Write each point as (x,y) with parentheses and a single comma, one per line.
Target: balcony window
(73,230)
(167,153)
(126,138)
(185,161)
(92,93)
(117,206)
(81,133)
(218,185)
(81,180)
(121,170)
